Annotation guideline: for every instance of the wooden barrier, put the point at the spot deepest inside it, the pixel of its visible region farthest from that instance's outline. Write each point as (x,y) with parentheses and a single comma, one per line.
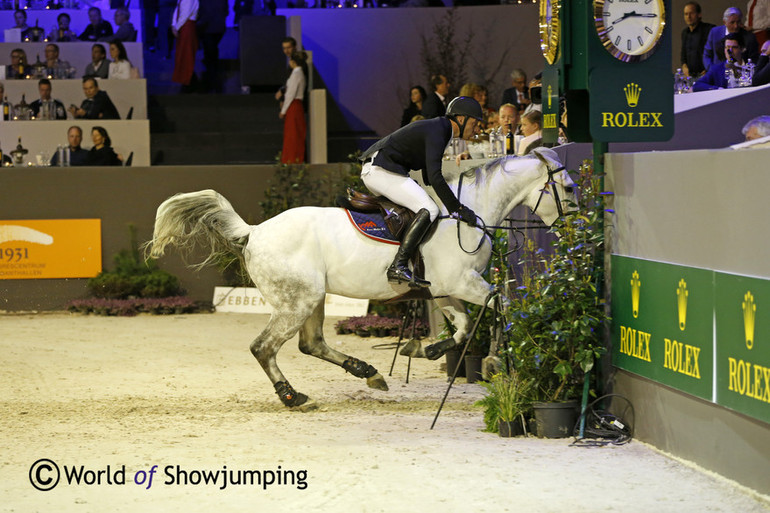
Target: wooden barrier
(46,19)
(125,94)
(77,54)
(42,137)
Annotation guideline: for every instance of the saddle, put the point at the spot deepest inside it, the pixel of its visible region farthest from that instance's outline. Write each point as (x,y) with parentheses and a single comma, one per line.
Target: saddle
(396,219)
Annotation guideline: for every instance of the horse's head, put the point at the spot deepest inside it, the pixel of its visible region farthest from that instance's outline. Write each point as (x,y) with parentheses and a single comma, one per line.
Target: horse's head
(556,195)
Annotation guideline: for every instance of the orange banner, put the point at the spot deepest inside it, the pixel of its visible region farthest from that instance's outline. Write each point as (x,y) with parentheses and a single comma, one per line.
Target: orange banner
(50,248)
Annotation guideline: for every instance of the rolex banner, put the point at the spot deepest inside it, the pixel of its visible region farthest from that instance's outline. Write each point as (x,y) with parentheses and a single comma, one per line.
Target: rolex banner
(743,344)
(672,323)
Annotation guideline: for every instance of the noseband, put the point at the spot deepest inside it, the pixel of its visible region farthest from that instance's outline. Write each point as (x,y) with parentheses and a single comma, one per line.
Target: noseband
(549,181)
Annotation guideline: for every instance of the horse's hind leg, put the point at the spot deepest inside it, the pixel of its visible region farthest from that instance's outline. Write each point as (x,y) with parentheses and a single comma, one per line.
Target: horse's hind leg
(281,327)
(311,341)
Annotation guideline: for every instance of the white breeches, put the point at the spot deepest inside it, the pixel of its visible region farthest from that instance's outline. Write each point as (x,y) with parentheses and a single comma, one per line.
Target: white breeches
(398,189)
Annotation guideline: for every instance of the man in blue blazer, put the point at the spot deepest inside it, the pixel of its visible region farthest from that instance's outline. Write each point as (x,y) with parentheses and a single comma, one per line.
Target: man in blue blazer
(716,76)
(732,18)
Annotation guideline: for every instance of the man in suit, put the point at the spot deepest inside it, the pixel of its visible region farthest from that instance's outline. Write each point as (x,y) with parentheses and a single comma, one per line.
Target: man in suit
(518,94)
(54,108)
(715,78)
(435,104)
(97,104)
(694,37)
(712,52)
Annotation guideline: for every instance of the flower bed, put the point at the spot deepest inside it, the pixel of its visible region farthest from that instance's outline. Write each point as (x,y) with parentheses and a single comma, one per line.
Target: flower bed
(130,307)
(376,326)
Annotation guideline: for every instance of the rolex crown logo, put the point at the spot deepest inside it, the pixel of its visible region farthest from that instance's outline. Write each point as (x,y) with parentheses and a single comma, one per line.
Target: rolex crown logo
(749,315)
(635,284)
(681,303)
(632,94)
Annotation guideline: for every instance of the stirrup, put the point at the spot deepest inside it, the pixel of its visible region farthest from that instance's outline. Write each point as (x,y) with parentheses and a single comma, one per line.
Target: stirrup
(402,274)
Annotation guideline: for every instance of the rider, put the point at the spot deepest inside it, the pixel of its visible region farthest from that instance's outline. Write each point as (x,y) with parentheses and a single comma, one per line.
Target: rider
(419,145)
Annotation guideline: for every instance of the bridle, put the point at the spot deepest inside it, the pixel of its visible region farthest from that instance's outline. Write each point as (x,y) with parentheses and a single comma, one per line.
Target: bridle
(549,181)
(488,229)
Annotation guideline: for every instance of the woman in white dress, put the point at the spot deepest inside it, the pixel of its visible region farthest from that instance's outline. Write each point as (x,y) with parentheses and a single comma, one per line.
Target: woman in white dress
(120,67)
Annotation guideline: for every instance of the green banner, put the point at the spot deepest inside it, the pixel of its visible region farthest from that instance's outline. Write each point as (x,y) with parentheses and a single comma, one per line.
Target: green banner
(662,323)
(743,344)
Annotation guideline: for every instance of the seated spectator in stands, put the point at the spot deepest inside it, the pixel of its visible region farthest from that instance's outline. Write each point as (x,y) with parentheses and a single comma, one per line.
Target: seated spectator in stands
(20,16)
(98,29)
(58,68)
(518,94)
(531,129)
(78,155)
(535,90)
(45,107)
(125,31)
(97,104)
(762,71)
(416,97)
(715,76)
(19,66)
(62,32)
(757,128)
(508,114)
(100,65)
(481,95)
(120,67)
(732,24)
(102,154)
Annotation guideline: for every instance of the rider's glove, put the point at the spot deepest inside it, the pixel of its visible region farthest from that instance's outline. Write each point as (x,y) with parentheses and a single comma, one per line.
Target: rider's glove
(467,215)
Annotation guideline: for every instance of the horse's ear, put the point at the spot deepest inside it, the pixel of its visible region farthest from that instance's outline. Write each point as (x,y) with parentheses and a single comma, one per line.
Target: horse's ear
(548,157)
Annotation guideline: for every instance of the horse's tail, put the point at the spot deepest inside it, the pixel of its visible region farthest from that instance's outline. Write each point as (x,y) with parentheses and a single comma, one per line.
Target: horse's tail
(202,218)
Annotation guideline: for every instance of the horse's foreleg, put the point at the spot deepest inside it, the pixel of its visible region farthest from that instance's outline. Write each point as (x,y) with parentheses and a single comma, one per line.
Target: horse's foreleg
(311,341)
(281,327)
(454,311)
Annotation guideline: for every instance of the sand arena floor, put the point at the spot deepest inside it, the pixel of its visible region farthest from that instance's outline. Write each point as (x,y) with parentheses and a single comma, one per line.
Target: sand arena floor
(182,395)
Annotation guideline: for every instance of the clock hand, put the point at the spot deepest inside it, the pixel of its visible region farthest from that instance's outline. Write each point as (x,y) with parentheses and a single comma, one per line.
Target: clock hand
(625,15)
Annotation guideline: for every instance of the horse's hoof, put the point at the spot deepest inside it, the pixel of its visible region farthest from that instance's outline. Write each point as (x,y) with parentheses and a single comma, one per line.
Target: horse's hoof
(289,397)
(439,349)
(489,366)
(412,349)
(377,382)
(308,406)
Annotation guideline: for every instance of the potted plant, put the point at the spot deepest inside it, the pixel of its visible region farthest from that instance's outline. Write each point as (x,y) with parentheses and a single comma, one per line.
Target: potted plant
(557,316)
(507,399)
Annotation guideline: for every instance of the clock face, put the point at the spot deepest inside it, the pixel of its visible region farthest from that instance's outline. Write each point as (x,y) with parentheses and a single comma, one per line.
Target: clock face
(550,29)
(630,29)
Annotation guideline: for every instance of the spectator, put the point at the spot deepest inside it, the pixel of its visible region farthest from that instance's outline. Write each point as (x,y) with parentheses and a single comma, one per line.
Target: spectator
(435,104)
(149,14)
(481,95)
(416,98)
(45,107)
(694,37)
(211,27)
(20,17)
(97,104)
(757,128)
(165,17)
(126,31)
(98,29)
(120,67)
(712,52)
(289,47)
(293,113)
(535,93)
(62,33)
(19,66)
(715,76)
(758,16)
(508,114)
(531,129)
(78,155)
(100,65)
(518,94)
(183,28)
(762,71)
(102,154)
(58,68)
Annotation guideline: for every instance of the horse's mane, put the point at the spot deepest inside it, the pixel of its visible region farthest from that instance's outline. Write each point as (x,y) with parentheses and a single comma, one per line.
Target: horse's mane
(479,175)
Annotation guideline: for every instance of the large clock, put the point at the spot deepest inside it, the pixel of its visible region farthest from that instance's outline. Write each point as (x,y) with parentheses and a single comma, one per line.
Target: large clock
(630,29)
(550,29)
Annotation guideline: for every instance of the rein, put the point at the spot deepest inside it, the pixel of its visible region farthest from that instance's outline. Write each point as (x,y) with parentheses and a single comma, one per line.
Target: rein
(487,229)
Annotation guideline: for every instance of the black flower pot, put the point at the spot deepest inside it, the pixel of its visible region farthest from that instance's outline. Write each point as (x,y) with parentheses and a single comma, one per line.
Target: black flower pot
(555,420)
(473,367)
(452,358)
(510,428)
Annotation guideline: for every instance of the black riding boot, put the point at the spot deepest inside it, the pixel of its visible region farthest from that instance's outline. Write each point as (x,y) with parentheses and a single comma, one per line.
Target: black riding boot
(399,270)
